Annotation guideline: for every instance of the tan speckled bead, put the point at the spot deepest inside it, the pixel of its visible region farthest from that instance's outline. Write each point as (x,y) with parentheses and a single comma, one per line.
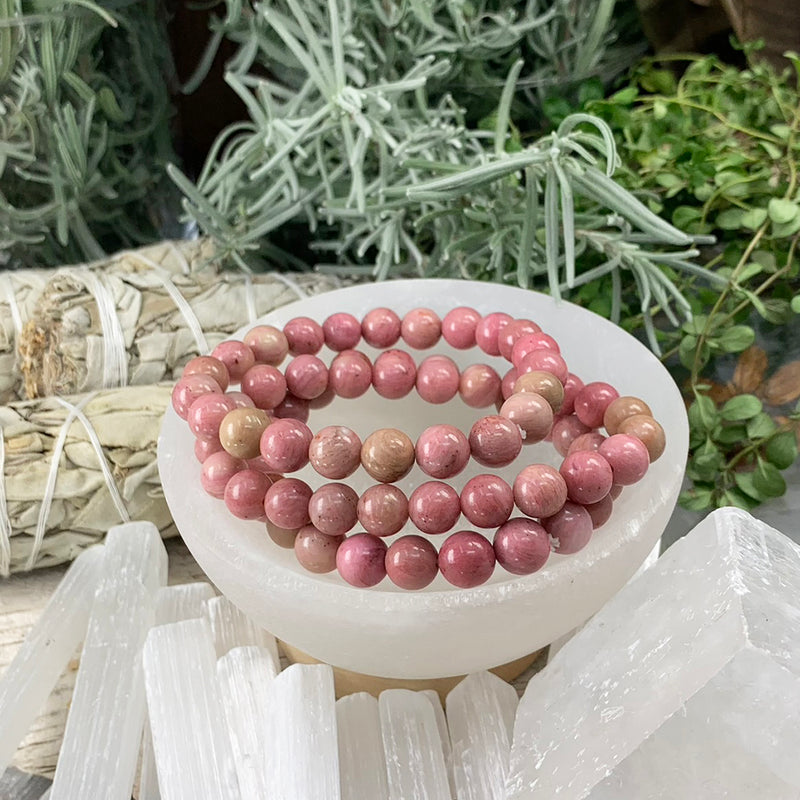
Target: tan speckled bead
(622,408)
(544,384)
(240,431)
(387,455)
(646,429)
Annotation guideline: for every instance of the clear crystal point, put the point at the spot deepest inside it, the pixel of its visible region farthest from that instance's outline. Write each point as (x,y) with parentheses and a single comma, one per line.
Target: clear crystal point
(362,761)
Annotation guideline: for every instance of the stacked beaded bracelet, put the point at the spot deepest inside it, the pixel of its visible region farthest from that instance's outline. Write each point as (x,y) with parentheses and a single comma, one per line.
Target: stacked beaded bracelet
(246,451)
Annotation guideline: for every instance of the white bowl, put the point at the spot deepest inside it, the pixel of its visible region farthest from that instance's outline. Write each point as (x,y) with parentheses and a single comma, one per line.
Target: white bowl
(442,630)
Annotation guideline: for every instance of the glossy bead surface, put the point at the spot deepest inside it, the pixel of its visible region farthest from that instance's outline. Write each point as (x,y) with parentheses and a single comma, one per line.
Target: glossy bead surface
(544,361)
(488,330)
(495,441)
(188,389)
(442,451)
(387,455)
(306,377)
(206,414)
(292,407)
(361,560)
(240,431)
(565,431)
(458,327)
(533,341)
(572,387)
(383,510)
(241,400)
(264,385)
(203,448)
(648,431)
(511,333)
(622,408)
(586,441)
(269,345)
(304,335)
(412,562)
(434,507)
(350,374)
(592,401)
(208,365)
(332,508)
(508,383)
(217,470)
(479,386)
(286,503)
(530,412)
(244,494)
(316,551)
(570,528)
(487,501)
(236,356)
(588,476)
(394,374)
(342,331)
(284,445)
(627,456)
(381,328)
(335,452)
(437,379)
(544,384)
(466,559)
(539,490)
(421,328)
(600,512)
(521,546)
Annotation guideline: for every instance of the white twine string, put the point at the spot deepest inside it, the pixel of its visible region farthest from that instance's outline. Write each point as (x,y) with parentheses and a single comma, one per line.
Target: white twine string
(5,521)
(185,268)
(293,285)
(250,298)
(11,299)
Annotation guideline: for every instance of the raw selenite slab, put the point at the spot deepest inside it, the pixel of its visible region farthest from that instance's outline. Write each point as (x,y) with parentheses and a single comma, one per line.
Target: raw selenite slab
(362,761)
(233,629)
(104,728)
(53,640)
(444,733)
(686,685)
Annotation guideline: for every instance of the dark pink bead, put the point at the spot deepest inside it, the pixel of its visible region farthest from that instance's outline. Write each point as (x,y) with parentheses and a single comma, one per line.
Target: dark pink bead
(292,407)
(241,400)
(487,501)
(203,448)
(458,327)
(286,503)
(572,387)
(333,508)
(412,562)
(588,476)
(521,546)
(565,431)
(381,328)
(600,512)
(570,529)
(342,331)
(208,365)
(488,330)
(383,510)
(586,441)
(534,341)
(206,414)
(284,445)
(507,384)
(350,374)
(264,385)
(217,470)
(628,457)
(316,551)
(236,356)
(361,560)
(244,494)
(188,389)
(421,328)
(592,401)
(466,559)
(544,361)
(394,374)
(512,333)
(442,451)
(437,379)
(479,386)
(335,452)
(539,490)
(304,335)
(306,377)
(495,441)
(434,507)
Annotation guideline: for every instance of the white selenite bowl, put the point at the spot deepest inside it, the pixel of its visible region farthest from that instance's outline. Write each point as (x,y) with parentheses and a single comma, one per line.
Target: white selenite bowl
(439,631)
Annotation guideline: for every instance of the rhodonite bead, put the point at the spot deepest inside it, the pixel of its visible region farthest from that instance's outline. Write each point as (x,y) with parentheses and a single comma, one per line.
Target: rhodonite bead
(342,331)
(203,448)
(236,356)
(442,451)
(269,344)
(284,445)
(421,328)
(512,332)
(588,476)
(361,560)
(437,379)
(412,562)
(335,452)
(565,431)
(488,330)
(394,374)
(206,414)
(217,470)
(572,387)
(241,400)
(600,512)
(542,383)
(188,389)
(286,503)
(648,431)
(508,383)
(622,408)
(383,510)
(533,341)
(521,546)
(316,551)
(283,537)
(544,361)
(458,327)
(530,412)
(244,494)
(264,385)
(627,456)
(350,374)
(292,407)
(495,441)
(466,559)
(487,501)
(240,431)
(306,377)
(381,328)
(324,399)
(570,528)
(586,441)
(332,508)
(592,401)
(304,335)
(387,455)
(208,365)
(479,386)
(615,491)
(434,507)
(539,490)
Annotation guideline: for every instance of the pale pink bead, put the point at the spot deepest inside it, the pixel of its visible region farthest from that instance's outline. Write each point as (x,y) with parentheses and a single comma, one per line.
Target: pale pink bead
(245,492)
(188,389)
(570,529)
(292,407)
(588,476)
(361,560)
(236,356)
(264,385)
(268,343)
(442,451)
(600,512)
(286,503)
(479,386)
(539,490)
(206,413)
(203,448)
(241,400)
(466,559)
(284,445)
(342,331)
(494,441)
(572,386)
(394,374)
(531,412)
(335,452)
(316,551)
(628,457)
(521,546)
(586,441)
(507,384)
(592,401)
(412,562)
(512,333)
(437,379)
(381,328)
(304,335)
(306,377)
(333,508)
(487,501)
(208,365)
(350,374)
(544,361)
(534,341)
(565,431)
(458,327)
(434,507)
(488,330)
(383,510)
(217,470)
(421,328)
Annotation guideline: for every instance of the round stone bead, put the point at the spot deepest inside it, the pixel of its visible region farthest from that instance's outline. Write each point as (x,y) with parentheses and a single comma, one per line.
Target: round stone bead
(442,451)
(648,431)
(412,562)
(458,327)
(495,441)
(282,537)
(241,400)
(217,470)
(304,335)
(586,441)
(316,551)
(381,328)
(600,512)
(208,365)
(286,503)
(324,399)
(511,333)
(521,546)
(244,494)
(240,431)
(206,414)
(292,407)
(628,457)
(544,361)
(437,379)
(269,345)
(335,452)
(361,560)
(570,529)
(615,491)
(479,386)
(488,330)
(188,389)
(342,331)
(434,507)
(264,385)
(588,476)
(539,490)
(284,445)
(383,510)
(306,377)
(487,501)
(544,384)
(421,328)
(592,401)
(394,374)
(622,408)
(466,559)
(236,356)
(350,374)
(572,387)
(533,341)
(387,455)
(332,508)
(203,448)
(565,431)
(508,383)
(530,412)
